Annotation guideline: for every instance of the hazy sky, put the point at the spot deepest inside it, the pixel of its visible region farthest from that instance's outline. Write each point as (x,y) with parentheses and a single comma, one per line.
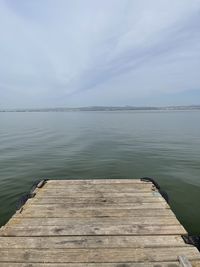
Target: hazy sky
(99,52)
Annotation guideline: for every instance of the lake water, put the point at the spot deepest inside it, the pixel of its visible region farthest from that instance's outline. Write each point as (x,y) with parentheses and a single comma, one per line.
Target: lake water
(68,145)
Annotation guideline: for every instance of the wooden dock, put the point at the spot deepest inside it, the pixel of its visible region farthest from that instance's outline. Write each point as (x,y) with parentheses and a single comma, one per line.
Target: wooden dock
(94,223)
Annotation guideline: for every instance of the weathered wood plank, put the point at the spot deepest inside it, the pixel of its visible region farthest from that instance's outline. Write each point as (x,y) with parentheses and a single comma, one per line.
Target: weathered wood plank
(98,205)
(96,201)
(42,192)
(195,263)
(95,185)
(93,229)
(184,261)
(96,181)
(98,255)
(121,264)
(92,242)
(111,221)
(95,212)
(64,207)
(99,188)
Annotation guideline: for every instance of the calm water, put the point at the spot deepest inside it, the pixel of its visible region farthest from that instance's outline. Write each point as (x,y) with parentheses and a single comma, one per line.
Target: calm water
(165,145)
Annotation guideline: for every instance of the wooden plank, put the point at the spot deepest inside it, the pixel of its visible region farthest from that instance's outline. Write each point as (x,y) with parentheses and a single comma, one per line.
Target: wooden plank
(99,188)
(98,205)
(98,255)
(110,221)
(64,207)
(92,242)
(95,201)
(184,261)
(42,192)
(121,264)
(96,181)
(95,184)
(195,263)
(94,212)
(96,229)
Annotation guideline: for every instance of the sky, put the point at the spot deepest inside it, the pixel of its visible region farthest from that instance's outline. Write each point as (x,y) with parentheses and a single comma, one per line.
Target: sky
(73,53)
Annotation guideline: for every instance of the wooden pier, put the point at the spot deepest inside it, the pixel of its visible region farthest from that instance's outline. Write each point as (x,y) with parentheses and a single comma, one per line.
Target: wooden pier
(94,223)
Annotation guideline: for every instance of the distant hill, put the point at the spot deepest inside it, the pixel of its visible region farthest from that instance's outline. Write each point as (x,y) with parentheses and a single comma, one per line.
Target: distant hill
(103,108)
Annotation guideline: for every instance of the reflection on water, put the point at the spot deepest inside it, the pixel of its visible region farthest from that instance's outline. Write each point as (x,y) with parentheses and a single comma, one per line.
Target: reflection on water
(165,145)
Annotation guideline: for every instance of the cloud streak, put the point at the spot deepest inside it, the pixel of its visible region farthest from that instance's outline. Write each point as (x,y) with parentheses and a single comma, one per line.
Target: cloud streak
(70,53)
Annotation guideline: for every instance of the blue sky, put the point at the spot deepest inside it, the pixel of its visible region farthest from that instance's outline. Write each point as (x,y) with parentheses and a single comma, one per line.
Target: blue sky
(92,52)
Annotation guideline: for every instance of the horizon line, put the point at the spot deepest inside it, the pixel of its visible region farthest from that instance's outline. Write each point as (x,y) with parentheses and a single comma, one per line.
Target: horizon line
(101,107)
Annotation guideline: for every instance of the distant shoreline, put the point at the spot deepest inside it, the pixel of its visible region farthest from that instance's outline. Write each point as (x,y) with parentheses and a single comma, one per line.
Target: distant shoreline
(105,108)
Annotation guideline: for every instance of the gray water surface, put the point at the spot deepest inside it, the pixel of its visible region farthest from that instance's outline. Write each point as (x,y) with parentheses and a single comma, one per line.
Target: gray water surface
(71,145)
